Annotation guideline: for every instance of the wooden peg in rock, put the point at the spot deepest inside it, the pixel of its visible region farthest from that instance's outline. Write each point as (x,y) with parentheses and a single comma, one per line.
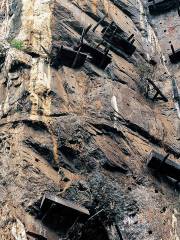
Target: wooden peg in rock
(46,51)
(99,22)
(175,56)
(130,37)
(100,43)
(158,91)
(133,40)
(76,58)
(84,33)
(172,48)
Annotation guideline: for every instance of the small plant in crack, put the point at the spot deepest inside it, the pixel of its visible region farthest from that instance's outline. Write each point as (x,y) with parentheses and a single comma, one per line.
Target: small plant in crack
(18,44)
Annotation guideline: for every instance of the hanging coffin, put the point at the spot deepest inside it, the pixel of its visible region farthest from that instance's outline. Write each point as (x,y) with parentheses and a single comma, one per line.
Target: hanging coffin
(67,57)
(60,214)
(98,58)
(159,6)
(112,35)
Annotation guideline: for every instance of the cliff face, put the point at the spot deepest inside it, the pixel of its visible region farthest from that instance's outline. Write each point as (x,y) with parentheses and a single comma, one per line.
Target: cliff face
(85,133)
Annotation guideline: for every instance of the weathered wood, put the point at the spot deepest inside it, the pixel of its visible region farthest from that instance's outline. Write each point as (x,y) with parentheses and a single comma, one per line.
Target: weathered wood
(66,206)
(161,6)
(164,166)
(155,96)
(112,35)
(175,56)
(98,58)
(76,58)
(178,6)
(158,91)
(84,33)
(36,228)
(67,57)
(119,232)
(35,236)
(130,37)
(59,214)
(99,22)
(46,51)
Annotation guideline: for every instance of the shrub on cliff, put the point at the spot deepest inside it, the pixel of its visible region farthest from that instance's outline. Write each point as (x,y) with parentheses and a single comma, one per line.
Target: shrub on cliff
(18,44)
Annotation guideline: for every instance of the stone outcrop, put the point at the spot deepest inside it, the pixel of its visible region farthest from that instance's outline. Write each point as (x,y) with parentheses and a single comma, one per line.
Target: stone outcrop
(85,134)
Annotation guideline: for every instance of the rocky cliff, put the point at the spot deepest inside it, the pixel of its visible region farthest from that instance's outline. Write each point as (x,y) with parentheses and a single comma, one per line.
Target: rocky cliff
(83,132)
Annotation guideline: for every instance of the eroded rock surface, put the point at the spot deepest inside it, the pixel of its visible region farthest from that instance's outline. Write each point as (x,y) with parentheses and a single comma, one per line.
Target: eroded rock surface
(85,134)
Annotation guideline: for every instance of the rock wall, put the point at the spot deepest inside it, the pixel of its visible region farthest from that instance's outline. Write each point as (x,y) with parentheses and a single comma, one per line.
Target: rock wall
(85,134)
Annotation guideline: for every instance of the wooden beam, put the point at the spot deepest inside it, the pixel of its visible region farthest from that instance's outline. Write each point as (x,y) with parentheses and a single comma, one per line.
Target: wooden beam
(99,22)
(175,56)
(35,236)
(98,58)
(64,204)
(161,6)
(158,90)
(112,35)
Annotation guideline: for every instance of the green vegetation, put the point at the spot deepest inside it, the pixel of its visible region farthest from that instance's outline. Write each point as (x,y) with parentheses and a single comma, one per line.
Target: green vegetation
(18,44)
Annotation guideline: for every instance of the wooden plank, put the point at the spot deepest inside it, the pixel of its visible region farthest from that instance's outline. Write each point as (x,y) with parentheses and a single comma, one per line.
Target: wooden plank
(175,56)
(98,58)
(161,6)
(36,236)
(112,35)
(49,199)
